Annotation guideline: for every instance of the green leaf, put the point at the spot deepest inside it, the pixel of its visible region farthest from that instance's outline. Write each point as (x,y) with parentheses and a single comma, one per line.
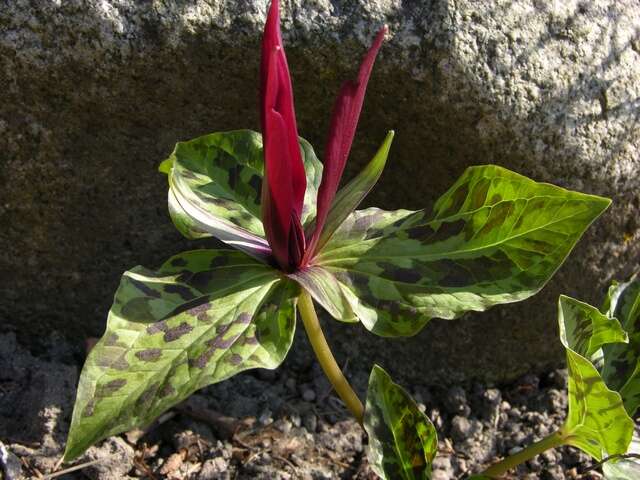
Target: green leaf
(402,440)
(350,196)
(621,369)
(596,422)
(625,468)
(203,317)
(495,237)
(328,292)
(215,183)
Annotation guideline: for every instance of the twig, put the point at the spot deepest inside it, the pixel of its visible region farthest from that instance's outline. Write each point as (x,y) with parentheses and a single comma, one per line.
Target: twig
(71,469)
(340,463)
(142,465)
(287,462)
(23,443)
(242,443)
(58,464)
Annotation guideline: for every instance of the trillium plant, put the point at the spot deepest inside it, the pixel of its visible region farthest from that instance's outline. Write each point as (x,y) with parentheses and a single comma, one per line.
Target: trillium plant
(295,239)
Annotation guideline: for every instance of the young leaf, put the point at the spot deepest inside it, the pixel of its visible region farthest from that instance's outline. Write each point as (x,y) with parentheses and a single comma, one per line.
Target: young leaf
(203,317)
(327,291)
(215,188)
(350,196)
(621,369)
(597,422)
(495,237)
(402,440)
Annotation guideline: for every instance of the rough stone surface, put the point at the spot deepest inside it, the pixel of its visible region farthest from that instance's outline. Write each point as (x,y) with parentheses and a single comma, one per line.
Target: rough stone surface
(95,93)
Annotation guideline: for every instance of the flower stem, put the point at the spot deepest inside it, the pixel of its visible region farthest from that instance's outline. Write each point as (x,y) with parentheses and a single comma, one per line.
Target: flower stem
(552,441)
(325,357)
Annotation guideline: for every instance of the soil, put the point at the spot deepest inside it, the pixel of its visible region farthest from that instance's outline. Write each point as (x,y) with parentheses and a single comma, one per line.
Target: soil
(283,424)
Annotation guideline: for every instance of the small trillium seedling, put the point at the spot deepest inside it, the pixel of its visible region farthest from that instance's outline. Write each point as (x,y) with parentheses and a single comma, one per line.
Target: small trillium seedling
(494,237)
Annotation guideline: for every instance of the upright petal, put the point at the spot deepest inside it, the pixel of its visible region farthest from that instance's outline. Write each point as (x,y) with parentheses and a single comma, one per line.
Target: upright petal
(344,120)
(285,184)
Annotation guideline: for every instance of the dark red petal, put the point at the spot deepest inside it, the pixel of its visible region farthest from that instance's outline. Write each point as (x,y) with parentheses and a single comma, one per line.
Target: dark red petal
(344,120)
(281,222)
(271,38)
(285,180)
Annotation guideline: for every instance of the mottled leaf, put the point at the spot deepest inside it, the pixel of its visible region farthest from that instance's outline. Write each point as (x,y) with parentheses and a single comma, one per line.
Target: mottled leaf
(350,196)
(402,440)
(202,317)
(215,188)
(596,422)
(495,237)
(330,293)
(621,368)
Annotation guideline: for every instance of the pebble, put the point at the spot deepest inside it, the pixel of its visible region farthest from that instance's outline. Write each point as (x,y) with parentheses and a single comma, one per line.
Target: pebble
(550,456)
(436,418)
(115,460)
(283,425)
(296,419)
(455,402)
(265,418)
(556,401)
(310,422)
(440,475)
(515,450)
(212,468)
(554,472)
(460,428)
(291,384)
(308,395)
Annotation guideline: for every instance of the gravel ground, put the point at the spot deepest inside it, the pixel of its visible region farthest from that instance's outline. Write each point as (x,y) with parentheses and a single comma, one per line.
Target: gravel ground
(283,424)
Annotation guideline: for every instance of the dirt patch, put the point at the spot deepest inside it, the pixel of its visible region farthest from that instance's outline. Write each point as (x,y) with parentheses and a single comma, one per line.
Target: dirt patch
(284,424)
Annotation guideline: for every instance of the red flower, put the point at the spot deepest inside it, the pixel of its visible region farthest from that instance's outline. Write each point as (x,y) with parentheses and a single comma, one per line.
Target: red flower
(285,185)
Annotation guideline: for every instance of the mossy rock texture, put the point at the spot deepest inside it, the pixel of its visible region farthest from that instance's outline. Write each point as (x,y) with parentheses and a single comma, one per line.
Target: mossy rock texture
(94,94)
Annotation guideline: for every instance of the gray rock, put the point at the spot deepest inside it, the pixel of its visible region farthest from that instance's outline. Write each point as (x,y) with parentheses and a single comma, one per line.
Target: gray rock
(461,428)
(95,93)
(308,395)
(442,469)
(214,469)
(9,464)
(490,407)
(115,460)
(310,422)
(554,472)
(456,402)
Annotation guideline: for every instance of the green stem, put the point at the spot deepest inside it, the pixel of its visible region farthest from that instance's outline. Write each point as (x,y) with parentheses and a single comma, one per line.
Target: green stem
(325,357)
(552,441)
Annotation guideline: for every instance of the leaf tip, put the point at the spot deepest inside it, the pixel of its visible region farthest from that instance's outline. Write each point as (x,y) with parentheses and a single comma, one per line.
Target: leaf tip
(166,166)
